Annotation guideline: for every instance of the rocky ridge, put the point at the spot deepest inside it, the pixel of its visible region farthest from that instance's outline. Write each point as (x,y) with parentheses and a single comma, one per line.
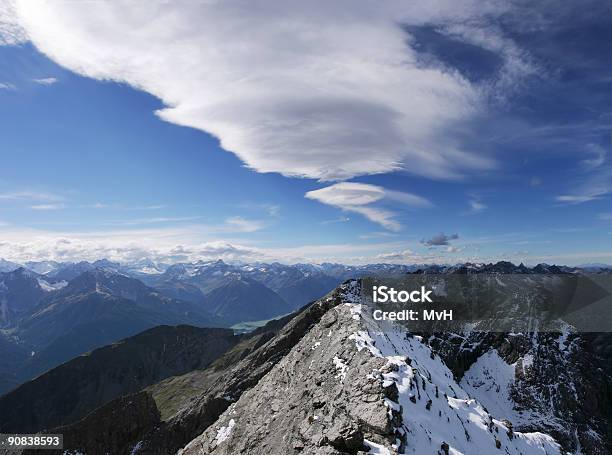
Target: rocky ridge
(351,386)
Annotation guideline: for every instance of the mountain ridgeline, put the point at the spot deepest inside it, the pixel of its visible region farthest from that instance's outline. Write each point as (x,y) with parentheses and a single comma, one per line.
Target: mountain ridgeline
(51,312)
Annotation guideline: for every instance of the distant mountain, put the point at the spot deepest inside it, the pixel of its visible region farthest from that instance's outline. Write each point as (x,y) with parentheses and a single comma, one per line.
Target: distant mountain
(8,266)
(244,299)
(20,291)
(297,284)
(43,267)
(94,309)
(68,392)
(69,271)
(46,322)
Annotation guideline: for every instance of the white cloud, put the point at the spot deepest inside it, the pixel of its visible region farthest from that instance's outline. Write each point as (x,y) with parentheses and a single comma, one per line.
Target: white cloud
(10,31)
(580,198)
(326,90)
(48,206)
(46,81)
(596,188)
(240,224)
(340,219)
(597,157)
(596,179)
(153,220)
(30,196)
(453,249)
(163,244)
(403,255)
(476,206)
(6,86)
(359,197)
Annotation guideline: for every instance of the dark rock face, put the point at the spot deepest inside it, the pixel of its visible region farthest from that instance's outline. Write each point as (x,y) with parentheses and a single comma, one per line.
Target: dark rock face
(69,392)
(19,293)
(243,299)
(111,426)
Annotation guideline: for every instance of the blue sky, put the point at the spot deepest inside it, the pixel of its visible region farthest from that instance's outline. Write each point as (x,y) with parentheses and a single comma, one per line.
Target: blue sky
(465,133)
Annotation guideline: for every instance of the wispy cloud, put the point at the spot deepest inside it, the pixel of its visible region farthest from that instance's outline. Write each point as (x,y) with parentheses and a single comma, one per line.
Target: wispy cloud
(46,81)
(587,193)
(476,206)
(361,198)
(104,205)
(340,219)
(272,210)
(595,186)
(597,157)
(48,206)
(146,207)
(7,86)
(378,235)
(595,179)
(240,224)
(30,196)
(152,220)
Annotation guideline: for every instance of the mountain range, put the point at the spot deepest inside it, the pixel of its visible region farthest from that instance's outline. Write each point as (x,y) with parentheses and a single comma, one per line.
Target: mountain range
(52,311)
(325,379)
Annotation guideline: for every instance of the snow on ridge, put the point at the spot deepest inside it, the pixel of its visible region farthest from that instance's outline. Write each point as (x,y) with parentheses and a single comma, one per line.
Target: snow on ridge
(437,413)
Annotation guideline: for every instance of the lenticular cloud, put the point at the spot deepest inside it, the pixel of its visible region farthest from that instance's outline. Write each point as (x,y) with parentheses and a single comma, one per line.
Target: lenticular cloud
(319,89)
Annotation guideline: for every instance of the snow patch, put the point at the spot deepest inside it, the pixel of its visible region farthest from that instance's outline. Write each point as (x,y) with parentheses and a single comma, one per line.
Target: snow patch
(49,287)
(224,433)
(489,380)
(376,449)
(341,368)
